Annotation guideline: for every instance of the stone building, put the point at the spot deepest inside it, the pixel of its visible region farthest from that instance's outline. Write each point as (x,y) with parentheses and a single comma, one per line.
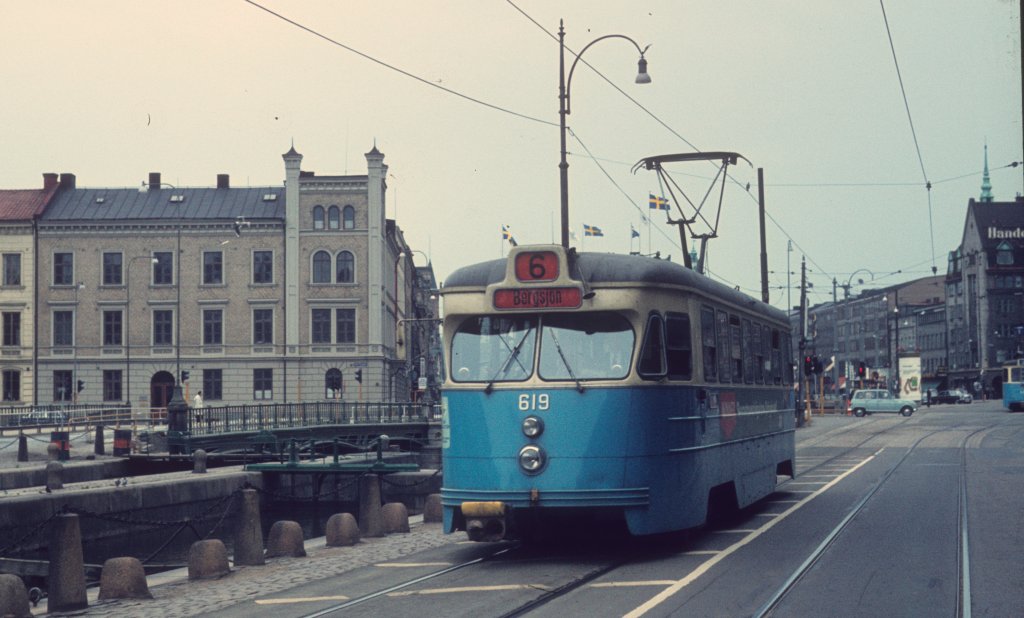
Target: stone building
(267,294)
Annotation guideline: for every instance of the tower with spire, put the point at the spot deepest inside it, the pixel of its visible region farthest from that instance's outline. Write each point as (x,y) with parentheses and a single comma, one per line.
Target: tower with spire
(986,185)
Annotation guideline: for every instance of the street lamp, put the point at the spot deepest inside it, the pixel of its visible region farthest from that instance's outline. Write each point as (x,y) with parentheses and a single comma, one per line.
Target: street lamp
(74,382)
(564,109)
(128,325)
(155,182)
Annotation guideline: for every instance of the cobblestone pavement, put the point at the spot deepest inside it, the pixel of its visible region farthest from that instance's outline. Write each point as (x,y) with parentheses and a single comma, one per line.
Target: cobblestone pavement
(176,596)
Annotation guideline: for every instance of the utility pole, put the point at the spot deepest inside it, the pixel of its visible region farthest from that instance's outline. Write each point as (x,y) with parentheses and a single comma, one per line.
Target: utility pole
(805,417)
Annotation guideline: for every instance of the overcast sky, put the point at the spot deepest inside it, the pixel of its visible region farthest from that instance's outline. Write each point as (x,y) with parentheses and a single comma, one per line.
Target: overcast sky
(806,90)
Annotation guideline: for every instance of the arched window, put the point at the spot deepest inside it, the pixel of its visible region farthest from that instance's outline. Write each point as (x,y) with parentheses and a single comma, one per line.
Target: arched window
(332,217)
(318,217)
(332,384)
(321,267)
(346,267)
(350,218)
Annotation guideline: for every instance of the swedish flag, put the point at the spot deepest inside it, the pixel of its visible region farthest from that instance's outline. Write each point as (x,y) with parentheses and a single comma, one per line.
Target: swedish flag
(592,230)
(506,234)
(657,203)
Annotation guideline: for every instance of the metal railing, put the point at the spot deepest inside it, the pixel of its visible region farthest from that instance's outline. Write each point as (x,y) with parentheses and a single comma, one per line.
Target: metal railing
(261,417)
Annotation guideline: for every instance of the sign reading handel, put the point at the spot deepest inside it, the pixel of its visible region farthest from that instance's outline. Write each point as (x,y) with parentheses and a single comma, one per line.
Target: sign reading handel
(538,298)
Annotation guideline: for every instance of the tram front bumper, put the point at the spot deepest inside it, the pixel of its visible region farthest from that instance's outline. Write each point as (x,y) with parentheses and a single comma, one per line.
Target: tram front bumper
(485,521)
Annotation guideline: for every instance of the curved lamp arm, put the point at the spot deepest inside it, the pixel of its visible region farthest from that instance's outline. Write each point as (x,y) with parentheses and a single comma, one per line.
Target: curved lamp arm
(641,78)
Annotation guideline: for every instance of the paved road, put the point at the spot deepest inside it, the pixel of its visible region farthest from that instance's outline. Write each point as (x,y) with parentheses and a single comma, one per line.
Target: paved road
(873,525)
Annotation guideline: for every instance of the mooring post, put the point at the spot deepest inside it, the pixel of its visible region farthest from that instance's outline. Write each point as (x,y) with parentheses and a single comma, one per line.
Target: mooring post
(99,447)
(370,524)
(249,536)
(22,447)
(66,581)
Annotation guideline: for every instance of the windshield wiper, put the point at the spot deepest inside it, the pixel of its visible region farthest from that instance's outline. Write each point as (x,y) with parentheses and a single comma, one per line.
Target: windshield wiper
(513,356)
(558,346)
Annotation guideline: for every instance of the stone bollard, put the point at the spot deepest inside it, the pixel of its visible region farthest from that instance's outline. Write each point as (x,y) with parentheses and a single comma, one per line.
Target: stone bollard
(54,476)
(249,535)
(123,578)
(22,447)
(369,506)
(99,444)
(66,575)
(342,529)
(52,452)
(395,517)
(208,559)
(433,512)
(285,540)
(199,462)
(13,597)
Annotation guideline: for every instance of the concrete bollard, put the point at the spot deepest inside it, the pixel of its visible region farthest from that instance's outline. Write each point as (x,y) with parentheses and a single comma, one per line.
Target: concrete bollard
(52,452)
(208,559)
(123,578)
(249,535)
(395,517)
(433,512)
(199,462)
(66,576)
(22,448)
(99,444)
(370,524)
(285,540)
(342,529)
(13,597)
(54,476)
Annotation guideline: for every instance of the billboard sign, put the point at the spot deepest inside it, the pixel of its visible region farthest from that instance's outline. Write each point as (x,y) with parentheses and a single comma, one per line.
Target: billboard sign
(910,377)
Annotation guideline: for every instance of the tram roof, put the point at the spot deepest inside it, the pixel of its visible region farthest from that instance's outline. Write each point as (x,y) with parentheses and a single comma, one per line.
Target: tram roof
(617,268)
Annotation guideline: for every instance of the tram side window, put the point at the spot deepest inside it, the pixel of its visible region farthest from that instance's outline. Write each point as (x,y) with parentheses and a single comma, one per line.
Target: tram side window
(678,351)
(494,349)
(762,366)
(724,370)
(749,333)
(707,339)
(652,354)
(736,348)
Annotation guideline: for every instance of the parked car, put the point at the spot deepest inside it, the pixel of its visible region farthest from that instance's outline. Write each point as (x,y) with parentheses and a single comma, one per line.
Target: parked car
(953,396)
(871,400)
(44,418)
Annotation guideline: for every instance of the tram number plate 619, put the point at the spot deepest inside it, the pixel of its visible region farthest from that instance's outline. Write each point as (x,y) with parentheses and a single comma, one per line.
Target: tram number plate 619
(533,401)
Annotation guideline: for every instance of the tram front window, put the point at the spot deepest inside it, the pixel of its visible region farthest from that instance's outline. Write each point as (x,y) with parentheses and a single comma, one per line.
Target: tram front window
(494,349)
(585,346)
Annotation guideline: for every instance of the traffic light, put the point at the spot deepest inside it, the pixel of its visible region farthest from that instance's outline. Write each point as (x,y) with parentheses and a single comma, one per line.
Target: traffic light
(862,370)
(359,376)
(81,385)
(184,376)
(808,365)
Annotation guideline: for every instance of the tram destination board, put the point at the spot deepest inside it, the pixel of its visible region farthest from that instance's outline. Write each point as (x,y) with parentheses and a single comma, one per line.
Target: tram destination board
(538,298)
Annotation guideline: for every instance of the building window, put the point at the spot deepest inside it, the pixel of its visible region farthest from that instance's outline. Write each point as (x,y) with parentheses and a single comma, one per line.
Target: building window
(346,326)
(332,384)
(112,330)
(262,326)
(63,268)
(346,267)
(12,328)
(62,385)
(12,269)
(111,385)
(213,267)
(321,326)
(213,326)
(163,327)
(12,385)
(163,268)
(63,328)
(213,384)
(262,266)
(321,267)
(262,383)
(318,217)
(349,217)
(112,271)
(1004,254)
(332,218)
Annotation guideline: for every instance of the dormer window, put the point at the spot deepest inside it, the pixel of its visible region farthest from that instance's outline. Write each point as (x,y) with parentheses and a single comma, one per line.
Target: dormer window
(1004,254)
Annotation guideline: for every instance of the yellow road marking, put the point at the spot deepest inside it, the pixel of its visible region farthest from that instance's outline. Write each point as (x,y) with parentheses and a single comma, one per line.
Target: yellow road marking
(410,565)
(667,593)
(470,589)
(655,582)
(300,600)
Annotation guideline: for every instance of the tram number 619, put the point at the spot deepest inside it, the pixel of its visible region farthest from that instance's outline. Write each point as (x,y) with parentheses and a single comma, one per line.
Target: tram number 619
(533,401)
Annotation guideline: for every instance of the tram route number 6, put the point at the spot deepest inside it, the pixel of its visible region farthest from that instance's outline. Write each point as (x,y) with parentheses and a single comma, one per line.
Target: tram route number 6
(533,401)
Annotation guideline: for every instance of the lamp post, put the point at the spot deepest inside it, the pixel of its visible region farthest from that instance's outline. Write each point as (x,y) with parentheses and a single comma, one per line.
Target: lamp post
(128,326)
(564,109)
(74,382)
(177,279)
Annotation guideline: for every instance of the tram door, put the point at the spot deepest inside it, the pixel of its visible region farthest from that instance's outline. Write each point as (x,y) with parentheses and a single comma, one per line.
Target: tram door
(161,386)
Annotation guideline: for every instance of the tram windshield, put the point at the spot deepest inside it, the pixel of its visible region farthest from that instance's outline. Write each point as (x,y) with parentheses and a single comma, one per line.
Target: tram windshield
(574,346)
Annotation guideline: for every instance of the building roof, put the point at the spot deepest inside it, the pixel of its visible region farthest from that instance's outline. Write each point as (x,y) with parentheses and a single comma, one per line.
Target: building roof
(131,204)
(23,204)
(997,223)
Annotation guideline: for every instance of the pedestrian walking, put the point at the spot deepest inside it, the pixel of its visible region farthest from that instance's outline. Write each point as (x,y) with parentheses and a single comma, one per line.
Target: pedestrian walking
(197,405)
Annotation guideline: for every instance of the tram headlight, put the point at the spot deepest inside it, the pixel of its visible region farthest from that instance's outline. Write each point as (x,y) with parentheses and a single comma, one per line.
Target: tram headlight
(532,426)
(531,459)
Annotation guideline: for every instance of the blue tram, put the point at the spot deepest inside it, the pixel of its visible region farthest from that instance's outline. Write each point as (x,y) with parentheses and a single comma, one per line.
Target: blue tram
(614,386)
(1013,385)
